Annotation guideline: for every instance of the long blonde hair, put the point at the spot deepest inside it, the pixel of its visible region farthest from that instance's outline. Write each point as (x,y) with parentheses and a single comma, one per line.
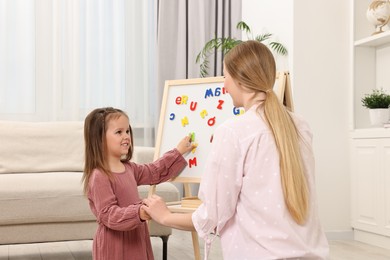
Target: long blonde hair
(95,127)
(252,65)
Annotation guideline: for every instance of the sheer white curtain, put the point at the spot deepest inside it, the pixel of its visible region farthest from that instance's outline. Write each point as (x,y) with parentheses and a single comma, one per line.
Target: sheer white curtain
(17,34)
(62,58)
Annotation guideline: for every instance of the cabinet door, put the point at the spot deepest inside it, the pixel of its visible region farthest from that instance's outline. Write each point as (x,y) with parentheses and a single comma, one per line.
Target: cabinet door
(386,183)
(370,196)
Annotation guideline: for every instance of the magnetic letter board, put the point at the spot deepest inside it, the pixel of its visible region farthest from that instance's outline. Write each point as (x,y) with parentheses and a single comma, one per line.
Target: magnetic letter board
(197,106)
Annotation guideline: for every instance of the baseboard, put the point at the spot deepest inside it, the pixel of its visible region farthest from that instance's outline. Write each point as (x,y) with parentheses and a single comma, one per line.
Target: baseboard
(361,236)
(372,238)
(340,235)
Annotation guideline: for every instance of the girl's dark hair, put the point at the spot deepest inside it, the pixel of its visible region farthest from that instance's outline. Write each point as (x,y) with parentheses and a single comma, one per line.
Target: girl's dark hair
(95,127)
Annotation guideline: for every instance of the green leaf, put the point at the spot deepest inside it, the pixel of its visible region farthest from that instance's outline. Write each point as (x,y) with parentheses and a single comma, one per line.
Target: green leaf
(243,27)
(263,37)
(224,45)
(278,48)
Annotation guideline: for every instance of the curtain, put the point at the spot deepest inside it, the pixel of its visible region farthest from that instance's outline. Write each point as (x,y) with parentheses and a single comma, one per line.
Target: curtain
(62,58)
(17,56)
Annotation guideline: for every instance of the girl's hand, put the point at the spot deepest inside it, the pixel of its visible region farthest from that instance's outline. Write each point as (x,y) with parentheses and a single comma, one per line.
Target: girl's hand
(156,208)
(185,145)
(143,215)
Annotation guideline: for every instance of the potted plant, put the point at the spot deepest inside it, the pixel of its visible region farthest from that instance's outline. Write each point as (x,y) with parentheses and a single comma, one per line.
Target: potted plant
(378,102)
(225,44)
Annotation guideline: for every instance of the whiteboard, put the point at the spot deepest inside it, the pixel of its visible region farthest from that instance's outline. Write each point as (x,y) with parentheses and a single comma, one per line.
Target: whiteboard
(196,106)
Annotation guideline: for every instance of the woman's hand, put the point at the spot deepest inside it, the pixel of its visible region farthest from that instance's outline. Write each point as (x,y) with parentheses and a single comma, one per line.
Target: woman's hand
(156,208)
(186,145)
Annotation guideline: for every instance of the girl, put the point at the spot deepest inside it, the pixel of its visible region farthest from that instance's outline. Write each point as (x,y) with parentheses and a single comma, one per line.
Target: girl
(258,193)
(111,180)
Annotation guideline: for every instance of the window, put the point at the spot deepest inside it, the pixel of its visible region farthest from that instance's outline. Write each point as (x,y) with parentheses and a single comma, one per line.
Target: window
(66,58)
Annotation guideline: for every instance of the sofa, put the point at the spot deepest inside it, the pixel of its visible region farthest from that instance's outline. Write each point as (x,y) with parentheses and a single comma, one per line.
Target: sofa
(41,196)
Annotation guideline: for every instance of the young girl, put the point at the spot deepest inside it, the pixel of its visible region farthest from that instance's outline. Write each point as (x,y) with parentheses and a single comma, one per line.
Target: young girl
(259,191)
(111,180)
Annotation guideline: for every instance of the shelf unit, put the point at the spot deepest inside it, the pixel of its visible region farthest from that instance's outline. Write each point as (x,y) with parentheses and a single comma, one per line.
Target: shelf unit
(370,147)
(370,62)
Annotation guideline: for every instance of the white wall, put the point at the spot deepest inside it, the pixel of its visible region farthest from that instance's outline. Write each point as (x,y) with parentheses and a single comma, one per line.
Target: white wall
(266,16)
(317,37)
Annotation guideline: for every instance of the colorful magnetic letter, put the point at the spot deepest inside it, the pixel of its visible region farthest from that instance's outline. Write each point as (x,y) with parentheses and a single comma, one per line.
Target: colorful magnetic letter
(181,100)
(184,100)
(184,121)
(192,136)
(237,111)
(203,114)
(211,121)
(209,92)
(193,105)
(220,103)
(192,162)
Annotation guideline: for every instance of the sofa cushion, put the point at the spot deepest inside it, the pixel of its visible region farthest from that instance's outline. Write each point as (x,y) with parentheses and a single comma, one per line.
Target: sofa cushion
(42,198)
(41,146)
(51,197)
(143,154)
(166,190)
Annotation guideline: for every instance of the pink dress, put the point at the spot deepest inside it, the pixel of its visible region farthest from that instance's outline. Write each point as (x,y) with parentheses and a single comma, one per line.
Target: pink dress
(243,199)
(121,235)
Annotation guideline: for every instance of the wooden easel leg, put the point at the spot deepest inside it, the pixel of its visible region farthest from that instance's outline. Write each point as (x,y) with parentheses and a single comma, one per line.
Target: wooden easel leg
(195,243)
(187,190)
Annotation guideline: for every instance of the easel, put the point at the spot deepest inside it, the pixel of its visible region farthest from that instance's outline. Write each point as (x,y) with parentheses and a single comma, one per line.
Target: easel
(283,89)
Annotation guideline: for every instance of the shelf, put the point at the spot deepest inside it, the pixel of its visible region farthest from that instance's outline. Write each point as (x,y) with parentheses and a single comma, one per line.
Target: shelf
(376,40)
(368,133)
(369,146)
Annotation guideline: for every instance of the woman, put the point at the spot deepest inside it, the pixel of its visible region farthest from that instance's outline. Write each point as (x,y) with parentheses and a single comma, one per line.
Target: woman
(258,187)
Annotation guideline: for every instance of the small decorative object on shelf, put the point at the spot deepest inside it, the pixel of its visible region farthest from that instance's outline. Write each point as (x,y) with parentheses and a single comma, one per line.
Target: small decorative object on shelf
(378,13)
(378,103)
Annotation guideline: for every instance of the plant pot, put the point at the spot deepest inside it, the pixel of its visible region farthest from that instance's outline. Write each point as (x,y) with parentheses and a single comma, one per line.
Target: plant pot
(379,116)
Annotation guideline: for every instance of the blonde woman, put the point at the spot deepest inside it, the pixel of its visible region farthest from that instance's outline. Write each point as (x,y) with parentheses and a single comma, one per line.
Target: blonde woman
(258,186)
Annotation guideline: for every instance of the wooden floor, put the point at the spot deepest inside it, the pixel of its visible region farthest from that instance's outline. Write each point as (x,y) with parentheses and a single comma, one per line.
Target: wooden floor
(179,248)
